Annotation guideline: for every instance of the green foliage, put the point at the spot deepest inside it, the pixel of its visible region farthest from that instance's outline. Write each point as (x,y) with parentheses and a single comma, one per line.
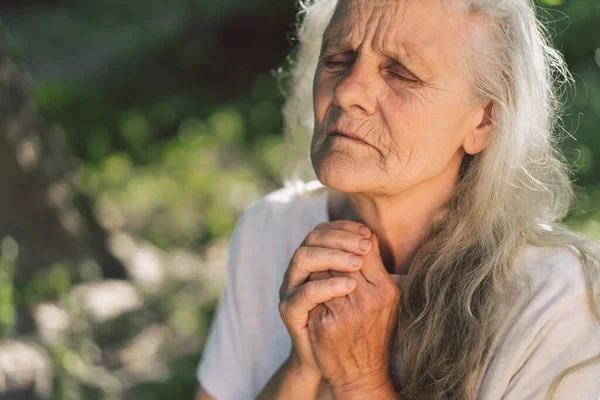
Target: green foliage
(552,2)
(9,254)
(7,306)
(195,188)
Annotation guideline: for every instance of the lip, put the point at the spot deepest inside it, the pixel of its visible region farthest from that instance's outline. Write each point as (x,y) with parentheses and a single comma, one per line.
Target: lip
(348,135)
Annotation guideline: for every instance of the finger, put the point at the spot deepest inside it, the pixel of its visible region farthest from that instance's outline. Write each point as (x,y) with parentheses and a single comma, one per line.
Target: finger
(323,275)
(372,267)
(350,242)
(345,225)
(316,259)
(357,276)
(296,307)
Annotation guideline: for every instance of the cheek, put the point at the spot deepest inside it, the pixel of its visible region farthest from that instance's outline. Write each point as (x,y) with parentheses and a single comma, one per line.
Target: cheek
(423,134)
(322,96)
(404,122)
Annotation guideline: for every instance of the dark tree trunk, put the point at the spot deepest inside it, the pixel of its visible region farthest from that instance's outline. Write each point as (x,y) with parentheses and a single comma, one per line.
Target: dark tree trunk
(38,206)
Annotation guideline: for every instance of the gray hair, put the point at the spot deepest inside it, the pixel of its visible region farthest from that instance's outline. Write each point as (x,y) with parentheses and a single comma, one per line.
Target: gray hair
(514,193)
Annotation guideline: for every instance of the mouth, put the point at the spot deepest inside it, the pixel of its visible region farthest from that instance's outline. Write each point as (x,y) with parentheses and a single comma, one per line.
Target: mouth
(348,136)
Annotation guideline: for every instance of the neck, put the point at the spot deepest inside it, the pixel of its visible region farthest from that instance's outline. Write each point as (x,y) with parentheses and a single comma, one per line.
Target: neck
(403,220)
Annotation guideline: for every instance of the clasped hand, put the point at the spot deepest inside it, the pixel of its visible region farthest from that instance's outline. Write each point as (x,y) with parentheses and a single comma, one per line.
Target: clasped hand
(340,306)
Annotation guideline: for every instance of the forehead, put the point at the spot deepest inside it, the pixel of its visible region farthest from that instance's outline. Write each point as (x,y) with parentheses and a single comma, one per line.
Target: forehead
(424,32)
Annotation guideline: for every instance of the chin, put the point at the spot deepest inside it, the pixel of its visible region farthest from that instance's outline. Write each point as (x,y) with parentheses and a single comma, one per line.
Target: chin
(338,172)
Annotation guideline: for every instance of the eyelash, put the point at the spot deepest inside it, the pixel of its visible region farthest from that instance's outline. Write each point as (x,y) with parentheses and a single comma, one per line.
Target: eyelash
(333,64)
(403,78)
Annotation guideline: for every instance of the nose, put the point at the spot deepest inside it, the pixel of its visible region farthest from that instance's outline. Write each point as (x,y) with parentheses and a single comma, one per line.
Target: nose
(355,93)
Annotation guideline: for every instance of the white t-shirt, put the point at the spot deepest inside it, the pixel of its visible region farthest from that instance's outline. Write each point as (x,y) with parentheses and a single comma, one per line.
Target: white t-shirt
(248,341)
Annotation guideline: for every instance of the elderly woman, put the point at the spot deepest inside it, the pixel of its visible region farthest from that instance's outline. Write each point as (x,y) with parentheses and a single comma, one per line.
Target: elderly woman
(429,260)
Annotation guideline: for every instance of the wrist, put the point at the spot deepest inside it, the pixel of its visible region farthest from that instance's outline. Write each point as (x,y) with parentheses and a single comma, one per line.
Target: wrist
(304,372)
(378,387)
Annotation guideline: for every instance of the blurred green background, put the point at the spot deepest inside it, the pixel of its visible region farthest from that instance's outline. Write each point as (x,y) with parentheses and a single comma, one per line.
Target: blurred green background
(134,134)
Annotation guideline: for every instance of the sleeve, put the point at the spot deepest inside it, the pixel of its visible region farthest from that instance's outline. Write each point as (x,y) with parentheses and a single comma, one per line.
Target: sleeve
(224,369)
(571,336)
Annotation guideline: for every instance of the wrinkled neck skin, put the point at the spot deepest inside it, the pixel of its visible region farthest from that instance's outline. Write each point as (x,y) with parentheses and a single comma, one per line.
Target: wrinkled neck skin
(402,221)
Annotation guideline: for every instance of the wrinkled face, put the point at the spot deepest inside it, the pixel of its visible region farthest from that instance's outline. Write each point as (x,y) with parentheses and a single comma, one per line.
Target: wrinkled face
(391,75)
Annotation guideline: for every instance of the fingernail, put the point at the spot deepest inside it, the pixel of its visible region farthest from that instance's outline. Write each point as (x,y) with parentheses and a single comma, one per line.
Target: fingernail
(355,260)
(363,230)
(350,283)
(363,244)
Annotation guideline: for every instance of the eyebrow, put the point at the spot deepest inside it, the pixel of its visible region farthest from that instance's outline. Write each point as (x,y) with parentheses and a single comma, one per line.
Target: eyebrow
(414,56)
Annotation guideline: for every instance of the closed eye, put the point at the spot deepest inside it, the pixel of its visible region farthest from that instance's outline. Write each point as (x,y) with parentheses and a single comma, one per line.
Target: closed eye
(400,72)
(339,61)
(403,78)
(337,64)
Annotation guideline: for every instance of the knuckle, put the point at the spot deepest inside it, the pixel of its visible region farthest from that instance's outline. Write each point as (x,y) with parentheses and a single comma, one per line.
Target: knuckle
(311,291)
(391,291)
(334,256)
(299,256)
(283,306)
(312,237)
(321,225)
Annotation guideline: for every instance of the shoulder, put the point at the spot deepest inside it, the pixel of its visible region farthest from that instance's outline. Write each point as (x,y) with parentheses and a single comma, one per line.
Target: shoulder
(552,273)
(550,327)
(554,302)
(552,266)
(553,282)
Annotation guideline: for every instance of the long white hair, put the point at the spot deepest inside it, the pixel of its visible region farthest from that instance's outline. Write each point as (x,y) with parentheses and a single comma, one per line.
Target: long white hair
(514,193)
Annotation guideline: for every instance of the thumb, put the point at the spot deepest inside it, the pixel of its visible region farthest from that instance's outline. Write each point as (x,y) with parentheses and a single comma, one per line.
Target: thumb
(374,246)
(373,268)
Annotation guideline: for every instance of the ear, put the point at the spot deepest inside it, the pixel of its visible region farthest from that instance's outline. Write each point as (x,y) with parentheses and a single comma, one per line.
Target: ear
(478,138)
